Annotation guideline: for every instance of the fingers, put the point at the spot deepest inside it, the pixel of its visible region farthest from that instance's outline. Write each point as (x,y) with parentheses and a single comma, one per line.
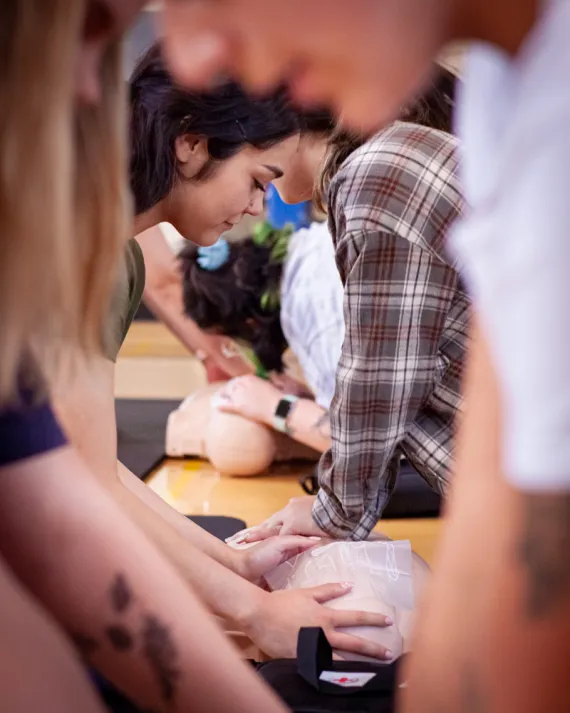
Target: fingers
(261,533)
(355,645)
(299,541)
(326,592)
(344,619)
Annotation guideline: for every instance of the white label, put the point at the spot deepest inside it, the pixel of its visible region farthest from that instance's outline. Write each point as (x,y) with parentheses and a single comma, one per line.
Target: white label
(346,680)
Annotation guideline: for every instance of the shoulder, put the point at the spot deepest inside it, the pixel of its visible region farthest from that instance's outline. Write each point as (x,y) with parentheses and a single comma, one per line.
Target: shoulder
(404,181)
(126,299)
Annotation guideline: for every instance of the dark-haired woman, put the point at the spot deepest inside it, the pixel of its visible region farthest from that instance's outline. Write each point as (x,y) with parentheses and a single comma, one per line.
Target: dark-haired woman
(391,201)
(225,148)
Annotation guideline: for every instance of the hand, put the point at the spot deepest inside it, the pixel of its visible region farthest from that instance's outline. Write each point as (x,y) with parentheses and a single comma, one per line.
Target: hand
(287,385)
(224,354)
(296,518)
(251,397)
(277,617)
(255,562)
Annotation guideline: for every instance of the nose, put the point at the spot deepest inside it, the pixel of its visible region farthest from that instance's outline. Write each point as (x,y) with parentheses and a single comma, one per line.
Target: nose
(198,62)
(256,205)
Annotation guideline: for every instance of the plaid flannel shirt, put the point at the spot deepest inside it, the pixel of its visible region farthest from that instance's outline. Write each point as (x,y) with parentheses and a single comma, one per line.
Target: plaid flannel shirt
(406,317)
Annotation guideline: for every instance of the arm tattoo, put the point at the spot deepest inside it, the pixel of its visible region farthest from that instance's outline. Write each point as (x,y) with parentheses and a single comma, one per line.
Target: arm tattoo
(120,594)
(543,551)
(161,653)
(86,645)
(323,425)
(119,637)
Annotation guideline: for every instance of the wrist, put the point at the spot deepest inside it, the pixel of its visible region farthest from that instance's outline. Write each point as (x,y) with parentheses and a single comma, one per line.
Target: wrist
(271,407)
(241,564)
(247,609)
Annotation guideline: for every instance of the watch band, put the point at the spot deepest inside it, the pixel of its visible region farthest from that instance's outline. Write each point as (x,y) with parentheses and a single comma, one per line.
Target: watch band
(282,413)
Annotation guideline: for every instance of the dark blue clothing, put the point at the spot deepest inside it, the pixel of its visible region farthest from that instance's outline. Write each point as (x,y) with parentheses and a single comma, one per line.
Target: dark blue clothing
(28,429)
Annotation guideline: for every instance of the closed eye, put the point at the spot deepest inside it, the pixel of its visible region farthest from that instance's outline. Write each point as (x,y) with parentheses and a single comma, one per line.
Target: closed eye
(259,186)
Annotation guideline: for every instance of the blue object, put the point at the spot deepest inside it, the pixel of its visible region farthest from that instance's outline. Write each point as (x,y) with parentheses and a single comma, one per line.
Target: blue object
(212,257)
(279,214)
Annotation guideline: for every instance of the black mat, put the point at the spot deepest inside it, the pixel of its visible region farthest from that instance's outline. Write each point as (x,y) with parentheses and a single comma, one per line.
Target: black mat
(412,497)
(141,430)
(219,526)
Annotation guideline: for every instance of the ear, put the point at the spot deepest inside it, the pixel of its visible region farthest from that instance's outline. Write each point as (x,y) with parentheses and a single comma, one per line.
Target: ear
(191,154)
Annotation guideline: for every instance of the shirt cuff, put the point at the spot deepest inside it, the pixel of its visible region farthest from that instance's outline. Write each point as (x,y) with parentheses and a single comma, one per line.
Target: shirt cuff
(328,515)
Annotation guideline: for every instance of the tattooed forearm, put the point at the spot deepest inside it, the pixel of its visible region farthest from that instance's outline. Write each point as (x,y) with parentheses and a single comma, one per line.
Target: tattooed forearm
(162,656)
(151,638)
(119,637)
(543,552)
(86,645)
(120,594)
(323,426)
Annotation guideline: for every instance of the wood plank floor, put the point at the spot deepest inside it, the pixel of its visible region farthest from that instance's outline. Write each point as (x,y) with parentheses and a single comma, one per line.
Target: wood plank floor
(194,487)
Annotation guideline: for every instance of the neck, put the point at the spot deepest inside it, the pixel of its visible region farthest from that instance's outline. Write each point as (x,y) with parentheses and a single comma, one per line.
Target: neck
(315,158)
(503,23)
(148,219)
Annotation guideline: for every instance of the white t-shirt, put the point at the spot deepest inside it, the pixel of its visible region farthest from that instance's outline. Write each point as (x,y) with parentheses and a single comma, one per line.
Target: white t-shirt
(514,246)
(312,308)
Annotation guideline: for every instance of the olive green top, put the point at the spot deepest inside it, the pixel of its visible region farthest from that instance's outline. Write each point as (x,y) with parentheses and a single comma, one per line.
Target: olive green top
(126,300)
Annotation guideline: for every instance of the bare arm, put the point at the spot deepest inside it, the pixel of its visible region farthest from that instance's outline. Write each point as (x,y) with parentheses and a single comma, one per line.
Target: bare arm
(511,577)
(257,399)
(85,407)
(198,557)
(133,618)
(310,424)
(33,651)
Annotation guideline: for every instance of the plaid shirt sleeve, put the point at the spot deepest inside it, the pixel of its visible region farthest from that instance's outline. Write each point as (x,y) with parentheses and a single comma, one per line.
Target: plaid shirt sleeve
(398,293)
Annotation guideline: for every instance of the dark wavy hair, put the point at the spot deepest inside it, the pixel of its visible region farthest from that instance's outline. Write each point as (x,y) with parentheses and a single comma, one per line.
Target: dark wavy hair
(434,109)
(228,300)
(227,117)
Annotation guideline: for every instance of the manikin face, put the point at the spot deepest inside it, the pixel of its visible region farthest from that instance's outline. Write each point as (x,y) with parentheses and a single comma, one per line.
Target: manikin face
(201,210)
(364,58)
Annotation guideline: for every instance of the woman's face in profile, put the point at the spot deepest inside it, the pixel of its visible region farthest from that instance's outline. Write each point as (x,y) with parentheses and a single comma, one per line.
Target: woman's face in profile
(105,22)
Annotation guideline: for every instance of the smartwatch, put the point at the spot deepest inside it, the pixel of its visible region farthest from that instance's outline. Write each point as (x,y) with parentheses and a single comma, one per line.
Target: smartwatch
(282,412)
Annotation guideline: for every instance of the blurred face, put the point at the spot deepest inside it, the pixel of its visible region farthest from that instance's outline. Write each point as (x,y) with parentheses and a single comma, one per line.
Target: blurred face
(298,182)
(362,57)
(201,210)
(105,22)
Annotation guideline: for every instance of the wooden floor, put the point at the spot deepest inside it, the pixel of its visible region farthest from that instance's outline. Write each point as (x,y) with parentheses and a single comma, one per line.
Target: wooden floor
(152,365)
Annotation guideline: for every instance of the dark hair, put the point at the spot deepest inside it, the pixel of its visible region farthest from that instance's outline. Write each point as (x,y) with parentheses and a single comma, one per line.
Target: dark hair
(226,116)
(434,109)
(229,300)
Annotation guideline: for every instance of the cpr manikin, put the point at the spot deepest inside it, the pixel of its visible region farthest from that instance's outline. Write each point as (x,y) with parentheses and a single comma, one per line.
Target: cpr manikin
(387,578)
(233,444)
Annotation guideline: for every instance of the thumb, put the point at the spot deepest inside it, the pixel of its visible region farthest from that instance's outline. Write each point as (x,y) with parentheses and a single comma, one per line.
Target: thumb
(295,544)
(326,592)
(222,402)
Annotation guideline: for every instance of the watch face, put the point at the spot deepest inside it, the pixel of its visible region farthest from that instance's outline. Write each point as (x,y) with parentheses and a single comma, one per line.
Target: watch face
(283,408)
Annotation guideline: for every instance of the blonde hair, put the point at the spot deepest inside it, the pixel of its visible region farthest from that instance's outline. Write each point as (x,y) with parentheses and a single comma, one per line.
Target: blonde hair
(63,189)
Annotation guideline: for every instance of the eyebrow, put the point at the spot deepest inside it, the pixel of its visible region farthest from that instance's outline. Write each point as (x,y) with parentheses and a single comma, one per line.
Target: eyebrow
(277,172)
